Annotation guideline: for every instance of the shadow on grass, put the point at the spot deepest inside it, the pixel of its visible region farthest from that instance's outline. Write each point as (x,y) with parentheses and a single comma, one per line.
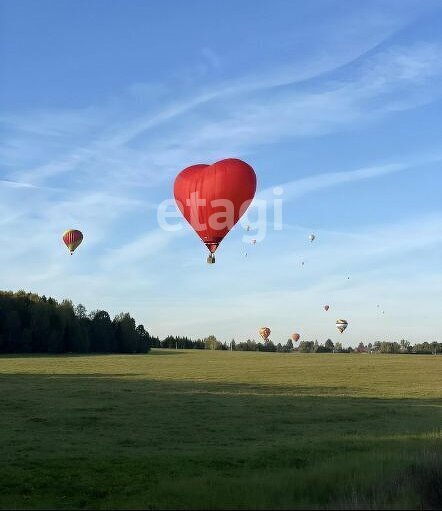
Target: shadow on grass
(164,351)
(109,441)
(153,352)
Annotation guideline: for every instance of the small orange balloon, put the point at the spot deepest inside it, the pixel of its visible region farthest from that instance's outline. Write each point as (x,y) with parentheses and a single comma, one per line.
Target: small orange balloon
(264,332)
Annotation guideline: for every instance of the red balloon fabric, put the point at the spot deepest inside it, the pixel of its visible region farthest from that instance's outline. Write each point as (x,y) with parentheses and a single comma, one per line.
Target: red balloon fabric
(72,238)
(212,198)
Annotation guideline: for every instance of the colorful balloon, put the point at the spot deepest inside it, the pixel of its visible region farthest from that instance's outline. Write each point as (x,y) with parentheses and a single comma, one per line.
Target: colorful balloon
(264,332)
(326,307)
(341,325)
(296,337)
(212,198)
(72,238)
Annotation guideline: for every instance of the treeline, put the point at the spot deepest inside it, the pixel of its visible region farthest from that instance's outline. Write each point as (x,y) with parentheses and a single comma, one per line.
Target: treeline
(402,346)
(212,343)
(33,324)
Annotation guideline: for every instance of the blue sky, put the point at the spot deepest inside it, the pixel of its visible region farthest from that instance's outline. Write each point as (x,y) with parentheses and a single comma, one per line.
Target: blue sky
(337,102)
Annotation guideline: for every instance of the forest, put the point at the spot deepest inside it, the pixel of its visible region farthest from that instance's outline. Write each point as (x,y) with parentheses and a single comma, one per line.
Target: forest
(30,323)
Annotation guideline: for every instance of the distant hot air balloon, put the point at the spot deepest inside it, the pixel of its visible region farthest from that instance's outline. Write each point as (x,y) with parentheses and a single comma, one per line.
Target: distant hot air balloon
(341,325)
(212,198)
(248,228)
(326,307)
(253,242)
(264,332)
(311,237)
(296,337)
(72,238)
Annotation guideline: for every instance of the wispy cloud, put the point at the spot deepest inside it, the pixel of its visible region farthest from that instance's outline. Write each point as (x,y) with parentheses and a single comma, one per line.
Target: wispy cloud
(299,187)
(139,249)
(17,184)
(368,96)
(247,115)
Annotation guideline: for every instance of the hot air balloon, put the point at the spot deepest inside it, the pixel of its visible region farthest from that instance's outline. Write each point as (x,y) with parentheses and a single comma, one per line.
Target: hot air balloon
(253,242)
(264,332)
(311,237)
(326,307)
(341,325)
(72,238)
(296,337)
(248,228)
(212,198)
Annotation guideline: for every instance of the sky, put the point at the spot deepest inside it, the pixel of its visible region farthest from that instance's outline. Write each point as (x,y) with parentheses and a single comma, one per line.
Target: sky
(336,104)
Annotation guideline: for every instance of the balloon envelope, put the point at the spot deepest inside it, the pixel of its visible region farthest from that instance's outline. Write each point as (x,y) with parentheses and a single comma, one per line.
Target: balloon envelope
(212,198)
(341,325)
(72,238)
(326,307)
(296,337)
(264,332)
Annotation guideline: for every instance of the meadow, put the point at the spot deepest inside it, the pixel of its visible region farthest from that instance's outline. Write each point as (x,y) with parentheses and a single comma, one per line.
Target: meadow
(218,430)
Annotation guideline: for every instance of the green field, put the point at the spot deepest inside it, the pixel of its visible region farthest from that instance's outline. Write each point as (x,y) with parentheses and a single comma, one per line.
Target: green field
(216,429)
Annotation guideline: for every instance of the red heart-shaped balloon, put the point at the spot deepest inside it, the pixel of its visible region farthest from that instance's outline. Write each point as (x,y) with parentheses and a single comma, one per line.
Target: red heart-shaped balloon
(212,198)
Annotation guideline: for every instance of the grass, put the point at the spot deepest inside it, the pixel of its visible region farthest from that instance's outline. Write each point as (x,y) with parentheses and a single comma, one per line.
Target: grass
(218,430)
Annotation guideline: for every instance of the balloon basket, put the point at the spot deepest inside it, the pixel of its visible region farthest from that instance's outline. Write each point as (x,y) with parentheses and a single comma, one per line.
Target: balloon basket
(211,259)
